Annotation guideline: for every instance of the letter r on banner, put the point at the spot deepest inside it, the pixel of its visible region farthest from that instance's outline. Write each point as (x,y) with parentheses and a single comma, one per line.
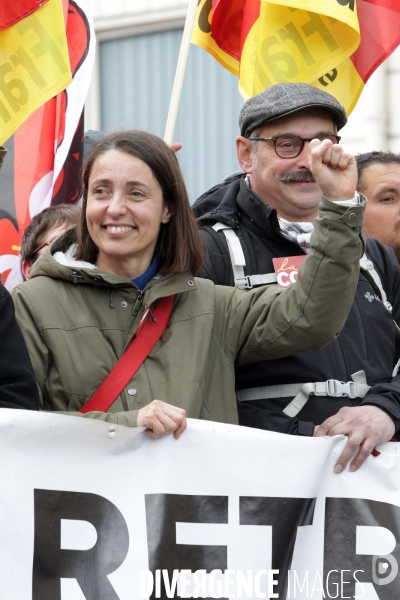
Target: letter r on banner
(89,567)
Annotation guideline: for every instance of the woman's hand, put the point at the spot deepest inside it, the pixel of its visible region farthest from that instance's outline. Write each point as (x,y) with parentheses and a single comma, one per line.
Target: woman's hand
(161,418)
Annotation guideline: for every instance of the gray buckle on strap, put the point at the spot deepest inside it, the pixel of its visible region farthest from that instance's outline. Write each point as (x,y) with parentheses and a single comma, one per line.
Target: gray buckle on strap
(243,282)
(249,281)
(339,389)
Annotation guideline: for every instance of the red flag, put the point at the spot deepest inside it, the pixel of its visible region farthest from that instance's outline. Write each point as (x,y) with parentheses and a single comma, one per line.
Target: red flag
(12,11)
(380,34)
(44,160)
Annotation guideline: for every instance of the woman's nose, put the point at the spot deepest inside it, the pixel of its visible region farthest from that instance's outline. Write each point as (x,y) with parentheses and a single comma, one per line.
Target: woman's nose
(117,204)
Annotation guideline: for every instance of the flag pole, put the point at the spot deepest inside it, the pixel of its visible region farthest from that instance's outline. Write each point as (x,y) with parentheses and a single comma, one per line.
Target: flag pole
(180,72)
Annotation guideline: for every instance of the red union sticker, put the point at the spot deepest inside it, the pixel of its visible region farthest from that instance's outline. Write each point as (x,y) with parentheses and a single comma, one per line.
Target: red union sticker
(287,268)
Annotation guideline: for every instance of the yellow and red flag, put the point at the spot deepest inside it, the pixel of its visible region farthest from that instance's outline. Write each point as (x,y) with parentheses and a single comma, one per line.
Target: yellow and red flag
(332,44)
(44,160)
(34,61)
(15,10)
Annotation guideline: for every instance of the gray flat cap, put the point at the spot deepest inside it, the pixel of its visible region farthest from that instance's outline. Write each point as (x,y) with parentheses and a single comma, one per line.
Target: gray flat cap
(286,98)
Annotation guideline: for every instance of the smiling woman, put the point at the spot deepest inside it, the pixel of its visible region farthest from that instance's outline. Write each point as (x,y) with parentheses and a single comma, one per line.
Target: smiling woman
(102,288)
(124,213)
(129,195)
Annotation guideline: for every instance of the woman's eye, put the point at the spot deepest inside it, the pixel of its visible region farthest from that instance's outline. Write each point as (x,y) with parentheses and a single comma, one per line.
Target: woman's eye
(100,192)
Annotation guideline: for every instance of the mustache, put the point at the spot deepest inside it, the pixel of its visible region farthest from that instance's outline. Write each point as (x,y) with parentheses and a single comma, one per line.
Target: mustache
(296,176)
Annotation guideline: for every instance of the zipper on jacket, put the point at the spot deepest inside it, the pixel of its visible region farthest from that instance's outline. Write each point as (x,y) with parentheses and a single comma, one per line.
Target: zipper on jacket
(139,299)
(138,303)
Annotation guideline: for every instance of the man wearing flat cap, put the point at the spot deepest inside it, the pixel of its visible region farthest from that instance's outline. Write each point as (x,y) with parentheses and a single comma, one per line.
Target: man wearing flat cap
(266,212)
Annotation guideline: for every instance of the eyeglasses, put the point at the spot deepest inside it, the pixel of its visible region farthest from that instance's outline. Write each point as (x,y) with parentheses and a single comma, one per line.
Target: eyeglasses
(41,247)
(290,146)
(44,245)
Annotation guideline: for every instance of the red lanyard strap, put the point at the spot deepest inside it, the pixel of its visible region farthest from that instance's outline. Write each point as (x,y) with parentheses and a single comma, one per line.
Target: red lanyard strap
(148,334)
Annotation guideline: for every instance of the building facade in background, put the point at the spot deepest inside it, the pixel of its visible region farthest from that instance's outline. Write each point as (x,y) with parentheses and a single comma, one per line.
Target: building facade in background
(138,47)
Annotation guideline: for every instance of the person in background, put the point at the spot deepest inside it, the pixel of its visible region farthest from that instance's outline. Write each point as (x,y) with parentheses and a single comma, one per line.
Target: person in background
(379,181)
(43,230)
(17,383)
(100,286)
(268,212)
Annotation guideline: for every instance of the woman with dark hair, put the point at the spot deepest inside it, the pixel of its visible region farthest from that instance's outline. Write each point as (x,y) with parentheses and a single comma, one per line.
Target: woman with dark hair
(137,248)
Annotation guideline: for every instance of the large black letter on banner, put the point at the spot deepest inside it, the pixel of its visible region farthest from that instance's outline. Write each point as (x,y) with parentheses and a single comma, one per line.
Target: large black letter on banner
(284,515)
(163,511)
(342,516)
(89,567)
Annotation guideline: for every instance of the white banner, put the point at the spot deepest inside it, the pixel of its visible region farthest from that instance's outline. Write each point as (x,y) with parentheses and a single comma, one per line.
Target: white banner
(92,511)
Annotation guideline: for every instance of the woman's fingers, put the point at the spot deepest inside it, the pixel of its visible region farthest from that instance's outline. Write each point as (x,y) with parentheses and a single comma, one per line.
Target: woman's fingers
(161,418)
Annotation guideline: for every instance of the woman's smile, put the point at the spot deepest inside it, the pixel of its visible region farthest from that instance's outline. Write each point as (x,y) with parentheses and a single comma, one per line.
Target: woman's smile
(119,231)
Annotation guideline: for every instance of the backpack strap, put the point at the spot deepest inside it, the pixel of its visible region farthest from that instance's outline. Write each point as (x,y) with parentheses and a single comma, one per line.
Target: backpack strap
(357,388)
(238,261)
(148,333)
(367,265)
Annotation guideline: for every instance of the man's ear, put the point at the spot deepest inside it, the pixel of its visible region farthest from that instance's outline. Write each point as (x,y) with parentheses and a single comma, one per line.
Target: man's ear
(26,268)
(244,154)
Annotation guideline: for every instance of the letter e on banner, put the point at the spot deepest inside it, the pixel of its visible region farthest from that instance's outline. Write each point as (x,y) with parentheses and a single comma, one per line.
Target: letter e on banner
(164,552)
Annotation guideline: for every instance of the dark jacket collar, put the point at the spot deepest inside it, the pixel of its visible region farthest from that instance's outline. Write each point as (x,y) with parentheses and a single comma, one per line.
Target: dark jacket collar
(233,201)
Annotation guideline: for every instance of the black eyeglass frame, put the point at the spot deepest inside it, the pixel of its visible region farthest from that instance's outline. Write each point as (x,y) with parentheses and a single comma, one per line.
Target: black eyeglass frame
(303,140)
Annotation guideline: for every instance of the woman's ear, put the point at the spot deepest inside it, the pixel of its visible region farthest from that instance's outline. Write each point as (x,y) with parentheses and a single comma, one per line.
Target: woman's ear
(167,214)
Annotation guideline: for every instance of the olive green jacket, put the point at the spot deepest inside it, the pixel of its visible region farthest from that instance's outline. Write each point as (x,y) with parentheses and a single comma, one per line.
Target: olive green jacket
(77,321)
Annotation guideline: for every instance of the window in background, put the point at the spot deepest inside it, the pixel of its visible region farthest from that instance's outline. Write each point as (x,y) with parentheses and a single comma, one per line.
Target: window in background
(137,75)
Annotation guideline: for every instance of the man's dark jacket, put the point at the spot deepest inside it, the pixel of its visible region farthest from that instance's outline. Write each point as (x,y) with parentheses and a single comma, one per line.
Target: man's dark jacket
(18,388)
(369,340)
